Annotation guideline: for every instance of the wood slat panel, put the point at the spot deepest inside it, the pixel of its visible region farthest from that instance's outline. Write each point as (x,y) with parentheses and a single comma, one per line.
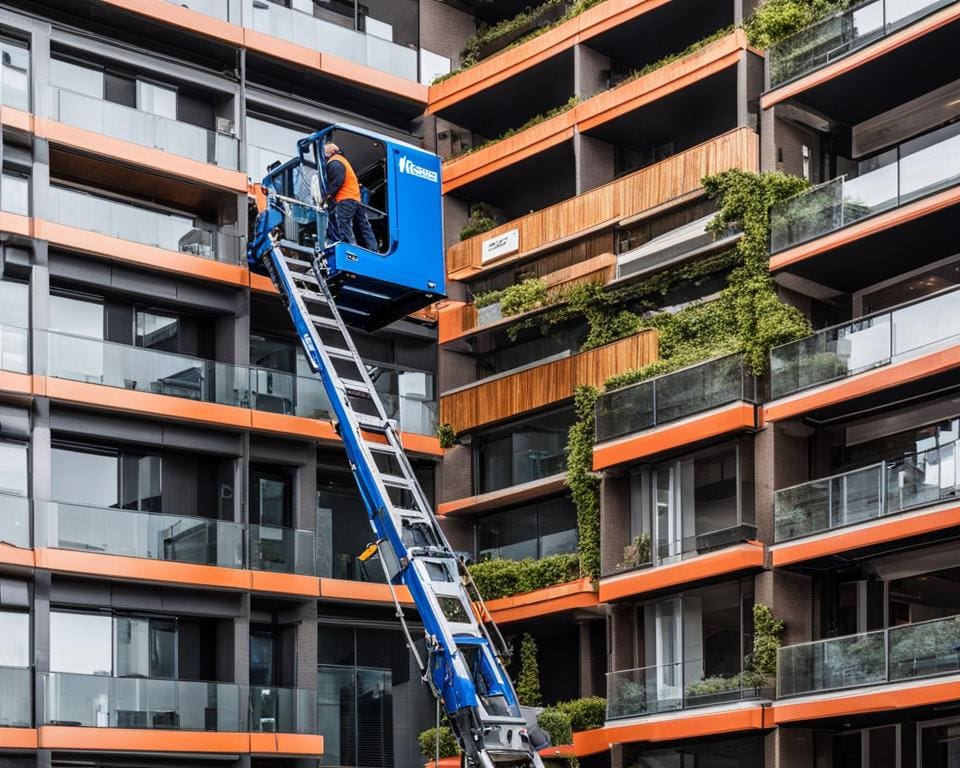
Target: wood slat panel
(639,191)
(491,401)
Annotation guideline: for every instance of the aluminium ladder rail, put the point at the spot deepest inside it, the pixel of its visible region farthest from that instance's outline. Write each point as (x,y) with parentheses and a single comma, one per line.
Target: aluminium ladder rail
(465,667)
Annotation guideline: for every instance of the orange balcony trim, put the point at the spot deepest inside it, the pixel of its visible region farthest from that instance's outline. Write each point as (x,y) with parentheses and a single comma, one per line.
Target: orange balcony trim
(666,183)
(741,557)
(16,556)
(97,244)
(16,118)
(20,383)
(511,61)
(594,111)
(515,494)
(361,591)
(286,744)
(687,725)
(16,224)
(285,583)
(502,397)
(854,60)
(541,602)
(863,384)
(880,531)
(275,47)
(140,740)
(702,426)
(590,742)
(18,738)
(867,227)
(887,698)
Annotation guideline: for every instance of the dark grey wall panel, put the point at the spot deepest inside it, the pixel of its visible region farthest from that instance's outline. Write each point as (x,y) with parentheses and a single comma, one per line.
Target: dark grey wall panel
(14,422)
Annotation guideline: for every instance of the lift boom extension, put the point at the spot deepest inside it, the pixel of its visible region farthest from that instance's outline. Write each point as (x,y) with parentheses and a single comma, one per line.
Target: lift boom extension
(465,653)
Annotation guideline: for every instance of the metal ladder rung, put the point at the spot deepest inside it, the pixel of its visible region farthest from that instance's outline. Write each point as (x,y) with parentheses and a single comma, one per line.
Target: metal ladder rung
(340,354)
(372,423)
(304,277)
(316,298)
(298,262)
(289,245)
(326,322)
(383,448)
(395,481)
(356,387)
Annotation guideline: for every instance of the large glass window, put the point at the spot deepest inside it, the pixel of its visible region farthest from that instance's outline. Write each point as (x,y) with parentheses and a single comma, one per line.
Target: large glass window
(14,303)
(268,143)
(940,744)
(530,450)
(77,315)
(13,468)
(271,496)
(742,753)
(157,330)
(146,647)
(536,530)
(14,74)
(107,478)
(81,643)
(14,639)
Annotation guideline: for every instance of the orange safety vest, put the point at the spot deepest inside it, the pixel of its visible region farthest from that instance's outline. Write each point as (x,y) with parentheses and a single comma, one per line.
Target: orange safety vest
(351,187)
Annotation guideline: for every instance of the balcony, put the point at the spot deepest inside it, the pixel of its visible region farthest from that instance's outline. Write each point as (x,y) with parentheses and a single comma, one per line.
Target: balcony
(537,386)
(908,172)
(282,550)
(887,488)
(13,349)
(867,343)
(843,33)
(14,76)
(14,520)
(144,128)
(16,697)
(282,710)
(672,687)
(674,396)
(898,654)
(655,185)
(170,231)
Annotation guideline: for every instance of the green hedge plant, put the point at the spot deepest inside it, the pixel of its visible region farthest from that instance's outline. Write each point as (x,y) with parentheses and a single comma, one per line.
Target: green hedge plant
(504,578)
(528,678)
(448,742)
(556,725)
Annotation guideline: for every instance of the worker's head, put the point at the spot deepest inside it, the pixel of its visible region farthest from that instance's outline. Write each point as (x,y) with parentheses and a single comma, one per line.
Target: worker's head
(330,149)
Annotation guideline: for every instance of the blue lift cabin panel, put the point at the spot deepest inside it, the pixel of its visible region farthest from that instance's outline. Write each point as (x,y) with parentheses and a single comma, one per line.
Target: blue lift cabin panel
(373,289)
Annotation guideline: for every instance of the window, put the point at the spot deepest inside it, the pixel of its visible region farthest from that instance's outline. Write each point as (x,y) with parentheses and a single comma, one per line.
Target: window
(146,647)
(15,193)
(80,316)
(157,99)
(536,530)
(15,74)
(107,478)
(13,468)
(159,331)
(531,450)
(939,744)
(14,639)
(271,497)
(81,643)
(14,304)
(869,748)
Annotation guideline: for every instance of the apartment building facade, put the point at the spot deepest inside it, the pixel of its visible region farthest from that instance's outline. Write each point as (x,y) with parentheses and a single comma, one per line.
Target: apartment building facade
(179,538)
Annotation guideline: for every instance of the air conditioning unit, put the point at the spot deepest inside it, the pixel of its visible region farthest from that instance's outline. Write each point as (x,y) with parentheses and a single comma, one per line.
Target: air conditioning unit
(226,126)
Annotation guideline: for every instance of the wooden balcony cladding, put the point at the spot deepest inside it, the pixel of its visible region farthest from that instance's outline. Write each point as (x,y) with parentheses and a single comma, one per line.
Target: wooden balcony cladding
(460,319)
(496,399)
(642,190)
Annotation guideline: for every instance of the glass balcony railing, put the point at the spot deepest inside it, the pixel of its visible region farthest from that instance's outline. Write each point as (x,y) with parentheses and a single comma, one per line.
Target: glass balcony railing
(122,122)
(670,687)
(282,550)
(99,701)
(94,361)
(282,710)
(866,343)
(912,170)
(16,697)
(15,194)
(14,520)
(171,231)
(13,349)
(842,33)
(287,393)
(887,488)
(642,555)
(130,533)
(674,396)
(14,76)
(412,414)
(897,654)
(225,10)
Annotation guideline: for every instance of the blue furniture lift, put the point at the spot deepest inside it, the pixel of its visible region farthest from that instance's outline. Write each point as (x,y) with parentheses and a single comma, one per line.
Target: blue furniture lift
(328,285)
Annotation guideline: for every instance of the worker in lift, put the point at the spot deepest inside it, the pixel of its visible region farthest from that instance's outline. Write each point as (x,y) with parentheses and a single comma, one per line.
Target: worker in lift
(343,189)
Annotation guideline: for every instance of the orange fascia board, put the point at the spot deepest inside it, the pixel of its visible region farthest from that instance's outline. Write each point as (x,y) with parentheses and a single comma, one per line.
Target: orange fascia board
(681,725)
(285,583)
(97,244)
(361,591)
(541,602)
(18,738)
(16,118)
(741,557)
(16,556)
(885,699)
(141,740)
(512,495)
(15,224)
(854,60)
(881,531)
(590,742)
(19,383)
(867,227)
(596,110)
(146,157)
(511,61)
(286,744)
(720,421)
(275,47)
(863,384)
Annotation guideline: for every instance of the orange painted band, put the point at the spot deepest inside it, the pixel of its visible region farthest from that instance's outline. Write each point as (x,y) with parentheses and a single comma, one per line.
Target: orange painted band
(542,602)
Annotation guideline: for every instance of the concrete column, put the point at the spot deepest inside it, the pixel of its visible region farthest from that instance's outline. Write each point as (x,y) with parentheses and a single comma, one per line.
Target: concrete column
(456,473)
(789,748)
(768,141)
(622,652)
(789,596)
(594,161)
(307,647)
(241,644)
(590,70)
(455,215)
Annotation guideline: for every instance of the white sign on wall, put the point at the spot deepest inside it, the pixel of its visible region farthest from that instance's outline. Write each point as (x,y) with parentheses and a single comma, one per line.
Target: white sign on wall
(501,245)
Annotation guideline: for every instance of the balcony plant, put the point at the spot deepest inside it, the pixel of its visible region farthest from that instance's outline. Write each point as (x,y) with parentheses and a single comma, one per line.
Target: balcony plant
(585,714)
(448,746)
(483,218)
(528,679)
(504,578)
(446,435)
(761,665)
(556,725)
(712,690)
(774,20)
(638,552)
